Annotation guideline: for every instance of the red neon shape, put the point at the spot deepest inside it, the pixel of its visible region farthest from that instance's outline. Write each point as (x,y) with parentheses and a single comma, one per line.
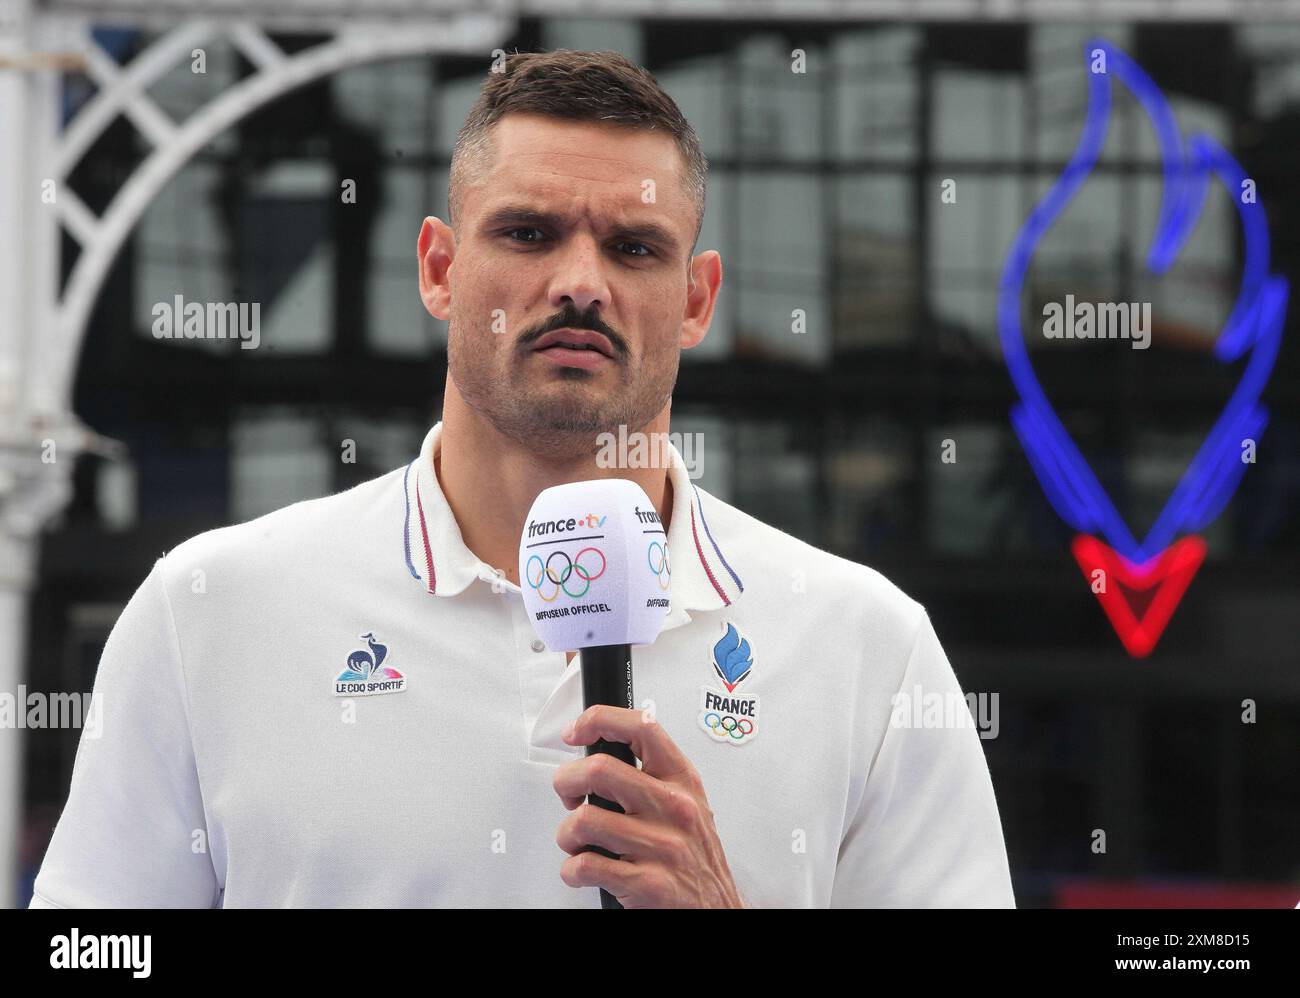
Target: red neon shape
(1169,573)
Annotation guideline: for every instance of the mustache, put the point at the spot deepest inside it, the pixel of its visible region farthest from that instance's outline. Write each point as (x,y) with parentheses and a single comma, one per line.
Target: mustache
(571,318)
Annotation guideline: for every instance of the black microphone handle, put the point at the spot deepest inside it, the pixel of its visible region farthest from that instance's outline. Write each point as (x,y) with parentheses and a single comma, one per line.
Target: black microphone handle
(607,679)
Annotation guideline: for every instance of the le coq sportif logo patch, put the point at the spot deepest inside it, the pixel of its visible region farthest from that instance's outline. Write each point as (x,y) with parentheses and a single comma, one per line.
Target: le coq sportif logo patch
(366,674)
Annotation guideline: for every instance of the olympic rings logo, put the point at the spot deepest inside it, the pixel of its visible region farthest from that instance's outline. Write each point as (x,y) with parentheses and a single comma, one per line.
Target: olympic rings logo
(559,574)
(726,726)
(657,555)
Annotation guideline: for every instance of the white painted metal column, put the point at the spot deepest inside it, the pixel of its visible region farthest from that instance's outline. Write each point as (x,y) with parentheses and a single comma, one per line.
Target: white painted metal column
(35,478)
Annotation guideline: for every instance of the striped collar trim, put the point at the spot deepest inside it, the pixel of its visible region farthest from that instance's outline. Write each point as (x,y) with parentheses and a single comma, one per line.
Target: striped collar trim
(433,549)
(435,555)
(708,581)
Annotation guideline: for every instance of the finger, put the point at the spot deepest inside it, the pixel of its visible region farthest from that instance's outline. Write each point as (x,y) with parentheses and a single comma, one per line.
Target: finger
(631,837)
(659,754)
(634,790)
(591,869)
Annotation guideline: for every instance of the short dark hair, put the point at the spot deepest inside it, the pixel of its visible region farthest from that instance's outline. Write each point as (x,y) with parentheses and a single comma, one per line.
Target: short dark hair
(582,86)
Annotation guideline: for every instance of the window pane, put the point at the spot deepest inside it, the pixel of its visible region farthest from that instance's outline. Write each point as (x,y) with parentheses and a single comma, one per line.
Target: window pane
(875,93)
(780,110)
(277,457)
(978,115)
(875,261)
(703,89)
(781,267)
(182,248)
(287,255)
(776,476)
(969,239)
(869,480)
(390,101)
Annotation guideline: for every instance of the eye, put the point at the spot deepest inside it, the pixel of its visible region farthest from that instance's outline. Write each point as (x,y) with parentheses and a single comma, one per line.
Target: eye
(648,251)
(525,228)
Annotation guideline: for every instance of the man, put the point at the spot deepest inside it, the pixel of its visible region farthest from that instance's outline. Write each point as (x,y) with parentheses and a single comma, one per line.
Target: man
(229,772)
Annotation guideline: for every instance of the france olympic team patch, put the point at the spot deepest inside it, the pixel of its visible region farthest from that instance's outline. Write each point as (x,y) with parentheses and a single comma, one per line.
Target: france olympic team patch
(366,674)
(728,716)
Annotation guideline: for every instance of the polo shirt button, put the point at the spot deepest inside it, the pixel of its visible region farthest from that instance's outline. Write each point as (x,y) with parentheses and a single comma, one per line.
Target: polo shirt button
(538,644)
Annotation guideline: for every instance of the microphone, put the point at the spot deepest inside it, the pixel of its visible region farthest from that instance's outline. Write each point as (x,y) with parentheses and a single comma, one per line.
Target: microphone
(594,572)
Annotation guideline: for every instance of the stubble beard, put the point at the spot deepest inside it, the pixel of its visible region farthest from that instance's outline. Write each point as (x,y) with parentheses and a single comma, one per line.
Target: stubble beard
(557,413)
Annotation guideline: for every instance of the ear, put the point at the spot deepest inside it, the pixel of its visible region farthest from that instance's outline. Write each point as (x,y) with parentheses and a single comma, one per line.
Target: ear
(705,278)
(436,249)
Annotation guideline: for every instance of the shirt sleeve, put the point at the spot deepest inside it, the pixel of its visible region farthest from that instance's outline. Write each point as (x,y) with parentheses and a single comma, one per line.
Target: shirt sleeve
(926,832)
(132,833)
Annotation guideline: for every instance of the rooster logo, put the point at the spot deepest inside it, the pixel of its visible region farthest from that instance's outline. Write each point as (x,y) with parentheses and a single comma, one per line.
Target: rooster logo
(1146,578)
(364,665)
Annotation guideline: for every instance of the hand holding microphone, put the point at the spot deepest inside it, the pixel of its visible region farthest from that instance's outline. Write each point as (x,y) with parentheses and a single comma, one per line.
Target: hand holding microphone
(594,572)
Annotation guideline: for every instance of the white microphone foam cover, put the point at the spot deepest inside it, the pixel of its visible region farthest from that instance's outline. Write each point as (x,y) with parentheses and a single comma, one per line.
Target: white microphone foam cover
(593,565)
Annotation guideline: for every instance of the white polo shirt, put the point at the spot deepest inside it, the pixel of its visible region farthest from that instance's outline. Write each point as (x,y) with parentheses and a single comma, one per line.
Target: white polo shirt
(228,772)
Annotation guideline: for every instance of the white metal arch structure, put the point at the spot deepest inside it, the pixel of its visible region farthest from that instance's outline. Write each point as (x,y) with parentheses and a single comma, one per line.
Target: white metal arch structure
(174,146)
(41,331)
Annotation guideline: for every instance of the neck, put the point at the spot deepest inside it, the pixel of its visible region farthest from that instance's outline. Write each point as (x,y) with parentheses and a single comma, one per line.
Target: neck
(490,481)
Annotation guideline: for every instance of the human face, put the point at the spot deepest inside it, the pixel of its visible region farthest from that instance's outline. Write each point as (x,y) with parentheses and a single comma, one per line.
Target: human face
(575,232)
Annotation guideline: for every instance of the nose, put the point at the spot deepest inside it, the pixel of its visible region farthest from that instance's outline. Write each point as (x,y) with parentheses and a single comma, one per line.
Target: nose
(579,276)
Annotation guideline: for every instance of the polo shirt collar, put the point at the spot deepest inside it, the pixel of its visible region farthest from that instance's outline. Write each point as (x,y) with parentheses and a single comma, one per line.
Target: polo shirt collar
(435,555)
